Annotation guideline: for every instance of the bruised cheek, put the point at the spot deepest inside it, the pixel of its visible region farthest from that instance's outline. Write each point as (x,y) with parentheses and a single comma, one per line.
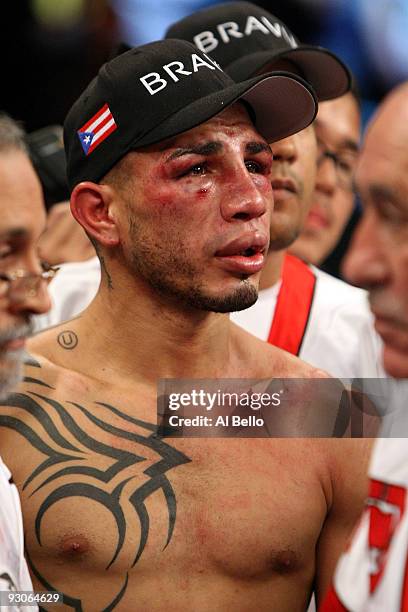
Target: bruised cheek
(263,183)
(165,195)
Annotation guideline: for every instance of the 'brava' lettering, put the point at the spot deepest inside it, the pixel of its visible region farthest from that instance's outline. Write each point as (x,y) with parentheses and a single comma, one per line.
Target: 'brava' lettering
(154,82)
(207,41)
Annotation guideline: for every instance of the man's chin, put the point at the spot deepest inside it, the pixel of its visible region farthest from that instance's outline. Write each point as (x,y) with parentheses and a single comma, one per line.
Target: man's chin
(283,232)
(240,298)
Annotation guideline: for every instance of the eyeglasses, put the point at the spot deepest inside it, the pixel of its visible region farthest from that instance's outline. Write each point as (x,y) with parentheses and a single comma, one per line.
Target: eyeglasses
(344,164)
(19,285)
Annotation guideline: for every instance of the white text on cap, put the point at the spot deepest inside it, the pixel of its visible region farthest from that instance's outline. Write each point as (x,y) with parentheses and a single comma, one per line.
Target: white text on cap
(173,69)
(206,41)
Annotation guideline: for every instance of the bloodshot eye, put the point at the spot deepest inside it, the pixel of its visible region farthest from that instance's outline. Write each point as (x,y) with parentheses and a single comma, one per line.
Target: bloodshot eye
(254,167)
(196,170)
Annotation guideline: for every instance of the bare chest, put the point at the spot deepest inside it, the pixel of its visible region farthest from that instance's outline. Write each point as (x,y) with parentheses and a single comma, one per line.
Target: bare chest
(101,492)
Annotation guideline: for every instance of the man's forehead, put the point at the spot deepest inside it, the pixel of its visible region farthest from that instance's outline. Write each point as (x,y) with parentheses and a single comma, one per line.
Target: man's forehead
(234,121)
(339,118)
(390,135)
(20,223)
(386,141)
(382,172)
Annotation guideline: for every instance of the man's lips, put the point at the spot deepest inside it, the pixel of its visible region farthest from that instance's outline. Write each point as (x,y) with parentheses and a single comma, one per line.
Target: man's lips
(284,188)
(317,219)
(245,254)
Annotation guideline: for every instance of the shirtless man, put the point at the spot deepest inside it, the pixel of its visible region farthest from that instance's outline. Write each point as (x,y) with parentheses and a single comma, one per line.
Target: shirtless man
(177,197)
(300,308)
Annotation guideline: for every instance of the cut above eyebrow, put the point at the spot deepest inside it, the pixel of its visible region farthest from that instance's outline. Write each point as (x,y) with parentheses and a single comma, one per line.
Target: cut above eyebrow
(209,148)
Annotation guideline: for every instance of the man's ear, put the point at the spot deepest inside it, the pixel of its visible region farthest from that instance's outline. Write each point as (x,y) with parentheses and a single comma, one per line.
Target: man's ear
(92,207)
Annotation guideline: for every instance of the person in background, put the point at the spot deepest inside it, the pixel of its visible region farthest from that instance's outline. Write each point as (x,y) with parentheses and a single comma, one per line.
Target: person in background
(337,128)
(63,239)
(300,308)
(373,573)
(23,293)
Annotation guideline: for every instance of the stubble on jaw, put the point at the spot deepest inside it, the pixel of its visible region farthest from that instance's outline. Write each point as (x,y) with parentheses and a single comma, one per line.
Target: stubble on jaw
(166,266)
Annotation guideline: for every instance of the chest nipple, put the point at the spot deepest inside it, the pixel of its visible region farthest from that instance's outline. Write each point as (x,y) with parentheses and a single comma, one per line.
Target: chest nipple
(74,546)
(284,562)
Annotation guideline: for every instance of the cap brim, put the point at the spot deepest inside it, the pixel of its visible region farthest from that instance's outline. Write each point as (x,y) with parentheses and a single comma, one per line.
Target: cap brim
(282,103)
(325,72)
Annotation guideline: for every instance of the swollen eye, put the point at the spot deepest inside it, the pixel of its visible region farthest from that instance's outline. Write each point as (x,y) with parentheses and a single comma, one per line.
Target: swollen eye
(198,169)
(252,167)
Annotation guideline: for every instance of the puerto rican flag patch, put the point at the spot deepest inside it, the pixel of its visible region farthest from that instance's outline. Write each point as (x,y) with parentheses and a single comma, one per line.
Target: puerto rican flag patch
(94,131)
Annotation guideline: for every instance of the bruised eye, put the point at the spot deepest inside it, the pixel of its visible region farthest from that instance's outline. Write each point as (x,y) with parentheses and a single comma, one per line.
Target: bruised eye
(196,170)
(255,167)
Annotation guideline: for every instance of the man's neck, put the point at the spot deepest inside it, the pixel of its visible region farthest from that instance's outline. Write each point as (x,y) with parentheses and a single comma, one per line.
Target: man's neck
(147,339)
(272,271)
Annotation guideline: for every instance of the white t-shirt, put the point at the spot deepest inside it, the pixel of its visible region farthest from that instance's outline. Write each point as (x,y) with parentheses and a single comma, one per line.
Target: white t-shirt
(72,290)
(339,336)
(14,575)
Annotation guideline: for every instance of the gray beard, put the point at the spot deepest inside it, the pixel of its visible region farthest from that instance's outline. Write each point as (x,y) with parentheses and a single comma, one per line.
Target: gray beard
(11,362)
(11,372)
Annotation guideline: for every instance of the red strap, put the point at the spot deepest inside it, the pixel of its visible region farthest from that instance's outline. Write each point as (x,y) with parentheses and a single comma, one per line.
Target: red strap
(332,603)
(293,305)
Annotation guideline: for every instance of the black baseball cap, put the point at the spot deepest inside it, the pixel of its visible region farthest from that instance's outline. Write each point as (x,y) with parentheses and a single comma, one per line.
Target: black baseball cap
(245,39)
(159,90)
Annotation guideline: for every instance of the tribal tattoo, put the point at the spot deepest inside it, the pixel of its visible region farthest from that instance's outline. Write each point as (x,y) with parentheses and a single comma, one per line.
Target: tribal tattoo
(53,429)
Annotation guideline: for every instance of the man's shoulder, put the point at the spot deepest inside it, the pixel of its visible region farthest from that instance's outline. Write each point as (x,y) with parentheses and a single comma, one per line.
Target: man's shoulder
(49,356)
(263,360)
(47,344)
(40,375)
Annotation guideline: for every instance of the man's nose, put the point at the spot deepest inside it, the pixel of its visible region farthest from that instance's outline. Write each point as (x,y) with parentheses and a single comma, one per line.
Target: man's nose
(33,302)
(243,198)
(326,177)
(285,150)
(365,263)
